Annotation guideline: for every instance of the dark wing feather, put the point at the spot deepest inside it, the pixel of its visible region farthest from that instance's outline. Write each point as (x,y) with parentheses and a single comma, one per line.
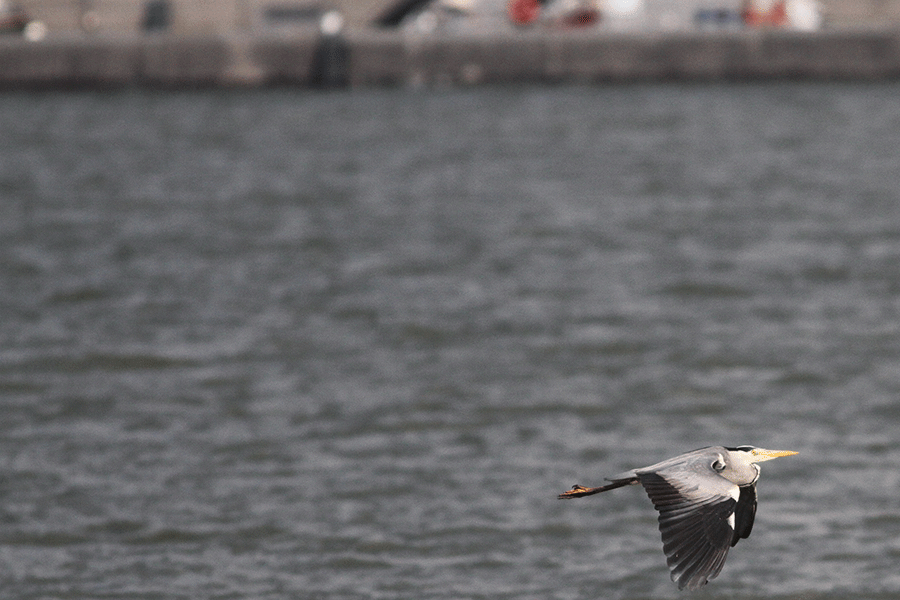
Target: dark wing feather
(744,513)
(694,523)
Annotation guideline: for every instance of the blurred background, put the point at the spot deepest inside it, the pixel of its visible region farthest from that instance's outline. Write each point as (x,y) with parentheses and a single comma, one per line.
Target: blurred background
(196,17)
(281,342)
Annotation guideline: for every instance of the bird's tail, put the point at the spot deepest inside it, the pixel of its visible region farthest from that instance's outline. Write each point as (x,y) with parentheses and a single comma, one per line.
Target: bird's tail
(578,491)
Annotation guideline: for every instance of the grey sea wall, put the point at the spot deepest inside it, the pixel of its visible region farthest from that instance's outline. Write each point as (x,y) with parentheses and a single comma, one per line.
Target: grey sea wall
(388,58)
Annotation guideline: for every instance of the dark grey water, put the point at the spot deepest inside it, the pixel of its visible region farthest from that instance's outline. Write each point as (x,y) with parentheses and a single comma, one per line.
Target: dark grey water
(274,344)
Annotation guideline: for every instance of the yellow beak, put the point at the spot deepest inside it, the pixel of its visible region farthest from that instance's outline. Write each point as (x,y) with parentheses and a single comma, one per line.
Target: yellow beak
(761,455)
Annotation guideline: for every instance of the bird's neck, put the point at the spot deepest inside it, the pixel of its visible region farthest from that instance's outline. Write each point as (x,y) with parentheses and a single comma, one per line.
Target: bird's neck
(756,472)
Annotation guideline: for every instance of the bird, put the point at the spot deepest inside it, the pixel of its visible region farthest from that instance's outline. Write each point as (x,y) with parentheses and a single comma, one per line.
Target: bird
(706,500)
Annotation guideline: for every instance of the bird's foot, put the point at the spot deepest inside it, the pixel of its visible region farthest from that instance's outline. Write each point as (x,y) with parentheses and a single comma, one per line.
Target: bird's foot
(575,492)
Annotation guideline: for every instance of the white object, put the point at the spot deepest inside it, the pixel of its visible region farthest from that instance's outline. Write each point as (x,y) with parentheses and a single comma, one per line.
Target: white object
(35,31)
(623,8)
(804,15)
(331,23)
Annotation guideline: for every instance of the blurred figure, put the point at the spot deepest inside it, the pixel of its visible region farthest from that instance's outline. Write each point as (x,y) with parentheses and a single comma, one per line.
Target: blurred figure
(12,17)
(562,13)
(524,12)
(441,15)
(802,15)
(764,13)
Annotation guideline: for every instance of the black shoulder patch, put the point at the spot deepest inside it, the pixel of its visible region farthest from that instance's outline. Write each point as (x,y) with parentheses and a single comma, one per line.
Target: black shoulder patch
(744,513)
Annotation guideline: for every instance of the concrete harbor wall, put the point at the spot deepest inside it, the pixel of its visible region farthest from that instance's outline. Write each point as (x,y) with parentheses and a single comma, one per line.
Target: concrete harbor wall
(378,58)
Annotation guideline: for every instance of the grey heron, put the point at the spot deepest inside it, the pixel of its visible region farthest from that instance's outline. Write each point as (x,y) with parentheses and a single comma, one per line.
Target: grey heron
(706,501)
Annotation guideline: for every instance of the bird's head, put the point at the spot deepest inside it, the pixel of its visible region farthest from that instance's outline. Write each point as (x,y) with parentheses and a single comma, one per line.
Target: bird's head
(758,455)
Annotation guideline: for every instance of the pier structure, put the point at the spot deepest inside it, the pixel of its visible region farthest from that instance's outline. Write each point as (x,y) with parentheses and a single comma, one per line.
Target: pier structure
(220,17)
(297,47)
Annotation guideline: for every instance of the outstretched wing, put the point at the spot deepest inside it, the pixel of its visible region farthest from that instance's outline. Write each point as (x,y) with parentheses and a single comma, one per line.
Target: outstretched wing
(697,521)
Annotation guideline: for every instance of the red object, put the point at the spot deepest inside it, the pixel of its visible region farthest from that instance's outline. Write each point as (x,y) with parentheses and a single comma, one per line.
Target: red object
(583,17)
(776,16)
(524,12)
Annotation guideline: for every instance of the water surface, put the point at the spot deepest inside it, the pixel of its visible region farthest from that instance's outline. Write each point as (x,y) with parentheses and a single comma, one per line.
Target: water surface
(275,344)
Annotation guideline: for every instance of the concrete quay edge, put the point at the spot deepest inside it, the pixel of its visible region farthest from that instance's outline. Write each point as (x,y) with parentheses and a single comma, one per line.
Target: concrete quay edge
(361,58)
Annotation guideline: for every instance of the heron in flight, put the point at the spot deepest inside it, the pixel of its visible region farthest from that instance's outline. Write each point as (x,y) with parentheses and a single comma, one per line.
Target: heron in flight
(706,501)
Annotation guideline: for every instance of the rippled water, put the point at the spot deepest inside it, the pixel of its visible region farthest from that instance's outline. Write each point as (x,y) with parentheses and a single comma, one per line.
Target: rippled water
(274,344)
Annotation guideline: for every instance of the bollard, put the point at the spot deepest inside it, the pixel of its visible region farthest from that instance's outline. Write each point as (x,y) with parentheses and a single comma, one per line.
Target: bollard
(157,16)
(331,59)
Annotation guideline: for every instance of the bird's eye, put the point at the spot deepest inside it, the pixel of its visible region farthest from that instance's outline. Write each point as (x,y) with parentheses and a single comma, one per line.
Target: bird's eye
(718,465)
